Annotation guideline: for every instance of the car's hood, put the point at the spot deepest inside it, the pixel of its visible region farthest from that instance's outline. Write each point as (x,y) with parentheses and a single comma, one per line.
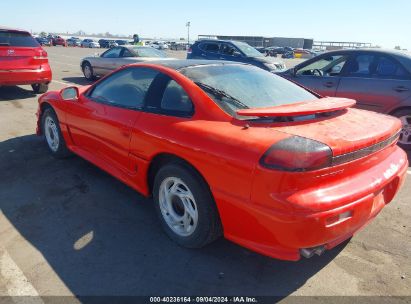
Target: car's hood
(273,63)
(263,59)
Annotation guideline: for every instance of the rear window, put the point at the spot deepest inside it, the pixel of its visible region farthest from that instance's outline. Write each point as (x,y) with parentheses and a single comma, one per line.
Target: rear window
(10,38)
(236,86)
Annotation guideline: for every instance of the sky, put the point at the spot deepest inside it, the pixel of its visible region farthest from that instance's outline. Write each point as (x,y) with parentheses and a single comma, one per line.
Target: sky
(380,22)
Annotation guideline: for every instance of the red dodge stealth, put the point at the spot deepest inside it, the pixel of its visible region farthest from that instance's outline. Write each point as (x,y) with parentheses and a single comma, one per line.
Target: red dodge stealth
(229,149)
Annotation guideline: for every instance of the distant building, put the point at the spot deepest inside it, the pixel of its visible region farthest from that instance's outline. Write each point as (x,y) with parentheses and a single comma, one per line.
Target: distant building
(336,45)
(260,41)
(301,43)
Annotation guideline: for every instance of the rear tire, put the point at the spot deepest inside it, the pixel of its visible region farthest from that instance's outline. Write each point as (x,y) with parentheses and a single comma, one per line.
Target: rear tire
(52,134)
(185,206)
(40,88)
(405,136)
(88,71)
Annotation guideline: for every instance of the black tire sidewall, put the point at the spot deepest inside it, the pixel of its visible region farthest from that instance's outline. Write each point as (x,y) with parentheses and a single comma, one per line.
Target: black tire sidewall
(92,77)
(207,228)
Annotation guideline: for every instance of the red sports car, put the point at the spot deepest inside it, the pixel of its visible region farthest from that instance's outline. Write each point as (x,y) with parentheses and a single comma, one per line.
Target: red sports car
(229,149)
(23,61)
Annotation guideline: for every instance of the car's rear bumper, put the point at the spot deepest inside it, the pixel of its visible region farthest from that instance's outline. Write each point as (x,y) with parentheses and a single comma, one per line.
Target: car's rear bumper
(283,234)
(25,76)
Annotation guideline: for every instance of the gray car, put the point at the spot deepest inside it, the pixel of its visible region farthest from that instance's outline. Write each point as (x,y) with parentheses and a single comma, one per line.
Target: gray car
(114,58)
(378,80)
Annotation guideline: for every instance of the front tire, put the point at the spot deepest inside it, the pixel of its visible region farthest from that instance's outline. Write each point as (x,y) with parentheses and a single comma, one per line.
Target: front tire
(52,134)
(405,136)
(88,71)
(185,206)
(40,88)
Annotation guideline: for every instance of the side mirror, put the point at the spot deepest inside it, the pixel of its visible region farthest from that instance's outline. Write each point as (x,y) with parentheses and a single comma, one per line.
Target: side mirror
(69,93)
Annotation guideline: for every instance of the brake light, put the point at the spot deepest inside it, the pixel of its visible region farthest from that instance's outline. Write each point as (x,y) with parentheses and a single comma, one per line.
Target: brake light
(189,51)
(297,154)
(41,54)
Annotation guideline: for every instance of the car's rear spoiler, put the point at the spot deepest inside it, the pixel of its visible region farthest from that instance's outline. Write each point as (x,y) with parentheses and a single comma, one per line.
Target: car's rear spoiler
(327,104)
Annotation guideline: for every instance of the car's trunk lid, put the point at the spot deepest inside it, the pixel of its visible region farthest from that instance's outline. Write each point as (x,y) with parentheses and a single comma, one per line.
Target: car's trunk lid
(20,51)
(322,105)
(343,129)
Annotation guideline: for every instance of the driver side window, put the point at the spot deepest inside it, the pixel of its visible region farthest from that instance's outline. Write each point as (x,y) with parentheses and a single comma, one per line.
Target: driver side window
(325,66)
(227,49)
(126,88)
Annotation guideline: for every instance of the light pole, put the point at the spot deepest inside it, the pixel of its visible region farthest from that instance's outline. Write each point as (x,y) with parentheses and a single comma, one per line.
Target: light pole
(188,32)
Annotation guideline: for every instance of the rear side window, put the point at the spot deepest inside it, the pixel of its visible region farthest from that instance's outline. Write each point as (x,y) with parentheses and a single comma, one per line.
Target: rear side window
(211,47)
(176,100)
(389,69)
(126,88)
(22,39)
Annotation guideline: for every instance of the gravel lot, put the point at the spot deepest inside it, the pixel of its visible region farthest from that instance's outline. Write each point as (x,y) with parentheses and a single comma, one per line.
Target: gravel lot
(68,228)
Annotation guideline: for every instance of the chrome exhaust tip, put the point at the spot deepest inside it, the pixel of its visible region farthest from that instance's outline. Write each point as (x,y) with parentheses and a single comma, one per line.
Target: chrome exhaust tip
(309,252)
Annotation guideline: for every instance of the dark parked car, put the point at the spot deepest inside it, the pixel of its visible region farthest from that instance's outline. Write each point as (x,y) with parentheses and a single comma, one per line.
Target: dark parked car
(233,51)
(43,41)
(107,44)
(122,42)
(379,80)
(278,49)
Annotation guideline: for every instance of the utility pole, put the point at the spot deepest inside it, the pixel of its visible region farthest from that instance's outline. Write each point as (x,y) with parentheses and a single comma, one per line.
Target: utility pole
(188,32)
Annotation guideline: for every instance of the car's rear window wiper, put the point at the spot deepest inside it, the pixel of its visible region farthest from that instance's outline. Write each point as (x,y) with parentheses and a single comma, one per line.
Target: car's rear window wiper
(220,93)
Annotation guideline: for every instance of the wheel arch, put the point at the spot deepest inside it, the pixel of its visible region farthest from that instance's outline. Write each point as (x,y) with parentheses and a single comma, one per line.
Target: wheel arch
(84,62)
(43,107)
(400,109)
(164,158)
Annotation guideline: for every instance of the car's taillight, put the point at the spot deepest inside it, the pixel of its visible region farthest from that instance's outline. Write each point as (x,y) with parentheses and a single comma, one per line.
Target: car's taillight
(297,154)
(41,54)
(189,51)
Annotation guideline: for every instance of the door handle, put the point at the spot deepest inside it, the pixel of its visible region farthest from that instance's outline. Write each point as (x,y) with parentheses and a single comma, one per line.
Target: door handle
(329,84)
(401,89)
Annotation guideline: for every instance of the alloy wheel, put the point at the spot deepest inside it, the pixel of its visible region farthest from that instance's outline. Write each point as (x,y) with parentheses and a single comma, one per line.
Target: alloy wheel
(178,206)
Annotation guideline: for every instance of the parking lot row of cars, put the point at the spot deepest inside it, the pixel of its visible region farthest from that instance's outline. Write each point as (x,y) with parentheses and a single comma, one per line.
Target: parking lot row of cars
(75,41)
(55,40)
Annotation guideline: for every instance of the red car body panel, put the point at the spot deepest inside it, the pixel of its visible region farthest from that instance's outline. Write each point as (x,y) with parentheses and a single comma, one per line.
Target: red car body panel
(273,212)
(20,65)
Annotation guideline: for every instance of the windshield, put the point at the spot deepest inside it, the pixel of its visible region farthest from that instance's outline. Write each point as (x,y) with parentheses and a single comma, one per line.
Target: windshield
(148,52)
(248,50)
(10,38)
(236,86)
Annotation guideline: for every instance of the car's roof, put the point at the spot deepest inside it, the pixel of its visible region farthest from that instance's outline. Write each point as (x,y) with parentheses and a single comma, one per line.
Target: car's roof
(179,64)
(375,50)
(218,40)
(5,28)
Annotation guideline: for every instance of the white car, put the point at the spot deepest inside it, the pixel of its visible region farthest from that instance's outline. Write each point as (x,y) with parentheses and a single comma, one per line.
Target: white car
(90,43)
(159,45)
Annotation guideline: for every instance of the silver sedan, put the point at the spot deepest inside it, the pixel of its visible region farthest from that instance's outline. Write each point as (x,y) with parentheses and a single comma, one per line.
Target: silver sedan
(100,65)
